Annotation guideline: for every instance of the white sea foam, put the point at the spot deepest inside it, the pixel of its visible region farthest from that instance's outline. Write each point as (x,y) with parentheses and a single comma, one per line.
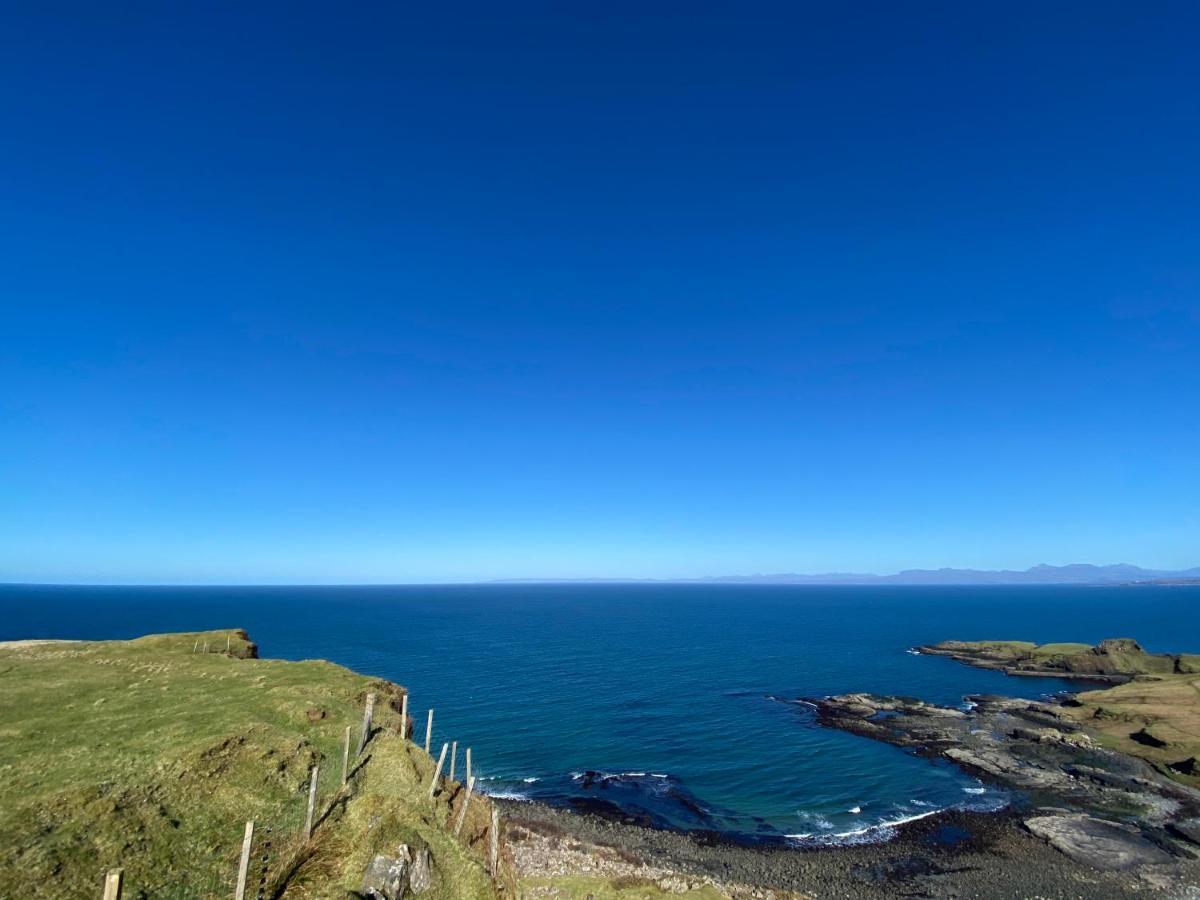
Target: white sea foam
(870,834)
(506,795)
(820,821)
(888,825)
(531,779)
(600,776)
(975,790)
(855,809)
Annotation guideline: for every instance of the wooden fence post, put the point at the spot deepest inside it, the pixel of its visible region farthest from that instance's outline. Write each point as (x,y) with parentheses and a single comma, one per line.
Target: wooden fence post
(196,646)
(462,813)
(468,764)
(494,843)
(244,865)
(366,726)
(312,803)
(346,757)
(428,730)
(453,758)
(226,643)
(114,880)
(404,717)
(206,646)
(437,773)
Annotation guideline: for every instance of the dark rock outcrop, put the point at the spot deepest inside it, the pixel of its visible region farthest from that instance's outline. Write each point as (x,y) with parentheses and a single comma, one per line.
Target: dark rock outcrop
(1110,646)
(1189,829)
(1145,736)
(1186,766)
(1027,746)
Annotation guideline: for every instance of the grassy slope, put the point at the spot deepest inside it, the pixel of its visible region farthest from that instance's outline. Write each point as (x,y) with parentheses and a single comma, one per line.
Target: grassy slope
(1060,649)
(1166,707)
(145,755)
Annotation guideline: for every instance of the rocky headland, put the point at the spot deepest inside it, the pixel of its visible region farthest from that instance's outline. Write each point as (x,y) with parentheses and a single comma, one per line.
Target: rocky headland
(1105,802)
(1113,661)
(1106,777)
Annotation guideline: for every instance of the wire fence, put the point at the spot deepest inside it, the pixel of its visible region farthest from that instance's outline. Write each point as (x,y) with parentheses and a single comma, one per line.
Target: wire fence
(281,841)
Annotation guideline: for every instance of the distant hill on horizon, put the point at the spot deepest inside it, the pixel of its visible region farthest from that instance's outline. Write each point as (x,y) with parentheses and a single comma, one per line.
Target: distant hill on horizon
(1075,573)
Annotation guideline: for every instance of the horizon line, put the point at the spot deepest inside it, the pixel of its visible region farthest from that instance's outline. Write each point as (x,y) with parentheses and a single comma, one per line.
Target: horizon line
(778,579)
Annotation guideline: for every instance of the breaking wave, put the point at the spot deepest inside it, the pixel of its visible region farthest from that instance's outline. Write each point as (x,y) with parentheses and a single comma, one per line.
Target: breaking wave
(869,834)
(503,794)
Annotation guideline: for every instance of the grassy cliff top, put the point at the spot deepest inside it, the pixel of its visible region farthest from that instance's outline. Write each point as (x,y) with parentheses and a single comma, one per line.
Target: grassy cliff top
(151,754)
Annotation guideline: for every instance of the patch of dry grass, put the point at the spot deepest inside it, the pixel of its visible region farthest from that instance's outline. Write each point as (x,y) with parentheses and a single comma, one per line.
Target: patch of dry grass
(1166,708)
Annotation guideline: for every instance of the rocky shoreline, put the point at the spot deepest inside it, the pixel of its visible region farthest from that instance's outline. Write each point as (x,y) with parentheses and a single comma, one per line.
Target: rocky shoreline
(1085,821)
(1102,808)
(952,854)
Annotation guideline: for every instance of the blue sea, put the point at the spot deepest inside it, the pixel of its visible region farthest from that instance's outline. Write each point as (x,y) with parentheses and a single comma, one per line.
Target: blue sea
(673,703)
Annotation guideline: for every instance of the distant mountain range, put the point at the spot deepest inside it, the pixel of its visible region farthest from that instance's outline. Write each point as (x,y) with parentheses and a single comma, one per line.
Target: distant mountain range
(1076,573)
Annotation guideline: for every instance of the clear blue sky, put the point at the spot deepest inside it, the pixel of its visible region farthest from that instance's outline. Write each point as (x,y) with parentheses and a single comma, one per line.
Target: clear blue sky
(315,293)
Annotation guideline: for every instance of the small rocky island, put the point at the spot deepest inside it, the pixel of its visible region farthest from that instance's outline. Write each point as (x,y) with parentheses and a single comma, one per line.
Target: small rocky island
(1107,777)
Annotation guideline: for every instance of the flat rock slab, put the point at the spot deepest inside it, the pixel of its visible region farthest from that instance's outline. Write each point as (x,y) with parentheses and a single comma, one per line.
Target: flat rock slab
(1189,828)
(1097,843)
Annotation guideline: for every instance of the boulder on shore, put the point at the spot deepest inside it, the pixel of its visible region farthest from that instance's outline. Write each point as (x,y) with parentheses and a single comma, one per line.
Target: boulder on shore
(1095,842)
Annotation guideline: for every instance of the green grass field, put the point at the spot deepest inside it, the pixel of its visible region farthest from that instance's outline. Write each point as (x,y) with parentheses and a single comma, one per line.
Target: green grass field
(148,756)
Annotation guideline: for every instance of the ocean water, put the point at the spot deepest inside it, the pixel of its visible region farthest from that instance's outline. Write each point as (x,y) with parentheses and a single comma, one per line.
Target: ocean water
(673,703)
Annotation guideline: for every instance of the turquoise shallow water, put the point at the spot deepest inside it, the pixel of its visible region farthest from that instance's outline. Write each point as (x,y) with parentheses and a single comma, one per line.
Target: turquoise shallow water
(672,702)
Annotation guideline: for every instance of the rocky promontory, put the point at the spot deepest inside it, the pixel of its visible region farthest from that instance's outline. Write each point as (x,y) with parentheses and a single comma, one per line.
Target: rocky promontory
(1106,777)
(1112,661)
(1100,807)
